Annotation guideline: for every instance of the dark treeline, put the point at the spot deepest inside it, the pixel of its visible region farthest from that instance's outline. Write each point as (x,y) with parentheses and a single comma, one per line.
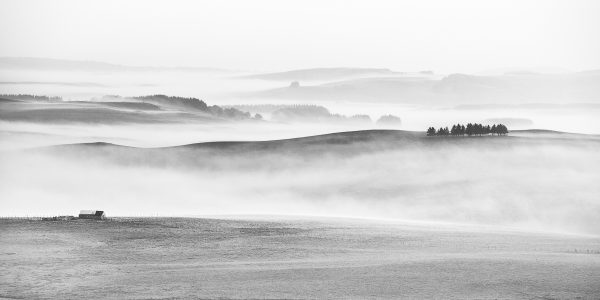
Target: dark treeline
(196,104)
(470,129)
(29,97)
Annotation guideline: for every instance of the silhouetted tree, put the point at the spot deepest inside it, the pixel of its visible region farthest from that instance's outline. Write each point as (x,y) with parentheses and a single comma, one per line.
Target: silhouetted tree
(501,129)
(443,131)
(455,130)
(470,130)
(430,131)
(478,129)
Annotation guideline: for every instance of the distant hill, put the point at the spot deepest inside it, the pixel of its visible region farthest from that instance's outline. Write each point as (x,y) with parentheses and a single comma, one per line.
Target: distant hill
(341,143)
(314,113)
(193,104)
(34,63)
(115,109)
(313,147)
(29,97)
(389,121)
(578,87)
(121,104)
(380,89)
(322,74)
(302,113)
(260,108)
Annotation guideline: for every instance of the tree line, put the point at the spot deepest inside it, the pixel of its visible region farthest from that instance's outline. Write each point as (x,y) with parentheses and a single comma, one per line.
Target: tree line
(29,97)
(197,104)
(470,130)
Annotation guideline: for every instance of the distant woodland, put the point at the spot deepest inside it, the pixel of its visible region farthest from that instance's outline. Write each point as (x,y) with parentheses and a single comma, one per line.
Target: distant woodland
(277,112)
(195,104)
(472,129)
(313,113)
(119,105)
(29,97)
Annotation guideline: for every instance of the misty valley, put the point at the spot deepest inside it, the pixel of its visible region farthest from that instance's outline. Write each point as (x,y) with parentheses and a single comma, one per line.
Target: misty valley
(313,183)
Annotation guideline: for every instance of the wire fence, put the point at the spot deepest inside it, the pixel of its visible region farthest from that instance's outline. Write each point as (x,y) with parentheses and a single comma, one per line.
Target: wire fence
(47,218)
(23,218)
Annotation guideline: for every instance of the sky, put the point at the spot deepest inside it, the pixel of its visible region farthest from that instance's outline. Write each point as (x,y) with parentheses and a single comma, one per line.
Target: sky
(260,35)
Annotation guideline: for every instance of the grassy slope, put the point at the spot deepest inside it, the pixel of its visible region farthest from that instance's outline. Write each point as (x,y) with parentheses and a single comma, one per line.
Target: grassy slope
(334,145)
(375,137)
(87,112)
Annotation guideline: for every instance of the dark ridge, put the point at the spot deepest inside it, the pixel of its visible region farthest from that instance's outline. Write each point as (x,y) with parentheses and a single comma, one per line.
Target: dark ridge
(194,104)
(90,145)
(99,144)
(4,100)
(21,97)
(122,104)
(96,115)
(346,137)
(280,153)
(344,142)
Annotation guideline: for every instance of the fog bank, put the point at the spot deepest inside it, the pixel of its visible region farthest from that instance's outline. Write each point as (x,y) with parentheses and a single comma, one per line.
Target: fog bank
(526,183)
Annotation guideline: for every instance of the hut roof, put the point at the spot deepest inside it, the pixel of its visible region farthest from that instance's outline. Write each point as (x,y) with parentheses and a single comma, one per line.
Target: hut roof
(91,212)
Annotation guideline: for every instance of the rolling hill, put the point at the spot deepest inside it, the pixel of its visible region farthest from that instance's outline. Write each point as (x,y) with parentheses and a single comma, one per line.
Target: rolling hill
(114,110)
(334,145)
(578,87)
(322,74)
(49,64)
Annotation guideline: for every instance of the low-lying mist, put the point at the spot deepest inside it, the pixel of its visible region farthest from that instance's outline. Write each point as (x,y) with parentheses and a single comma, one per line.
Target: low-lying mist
(529,182)
(524,183)
(572,110)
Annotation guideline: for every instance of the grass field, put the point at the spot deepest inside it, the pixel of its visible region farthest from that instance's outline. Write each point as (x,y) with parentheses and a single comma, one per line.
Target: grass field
(289,258)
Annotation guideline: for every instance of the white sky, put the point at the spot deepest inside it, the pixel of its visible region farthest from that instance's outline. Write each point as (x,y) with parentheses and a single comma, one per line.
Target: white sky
(445,36)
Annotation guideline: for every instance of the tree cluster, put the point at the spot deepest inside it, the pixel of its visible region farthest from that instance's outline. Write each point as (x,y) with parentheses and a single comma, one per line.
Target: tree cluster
(29,97)
(470,130)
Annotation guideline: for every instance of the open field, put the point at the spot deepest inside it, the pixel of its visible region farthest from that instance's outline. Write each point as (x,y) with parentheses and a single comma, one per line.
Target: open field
(283,257)
(300,150)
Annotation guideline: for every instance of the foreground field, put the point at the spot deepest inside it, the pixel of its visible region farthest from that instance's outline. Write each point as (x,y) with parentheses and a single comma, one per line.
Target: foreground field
(289,258)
